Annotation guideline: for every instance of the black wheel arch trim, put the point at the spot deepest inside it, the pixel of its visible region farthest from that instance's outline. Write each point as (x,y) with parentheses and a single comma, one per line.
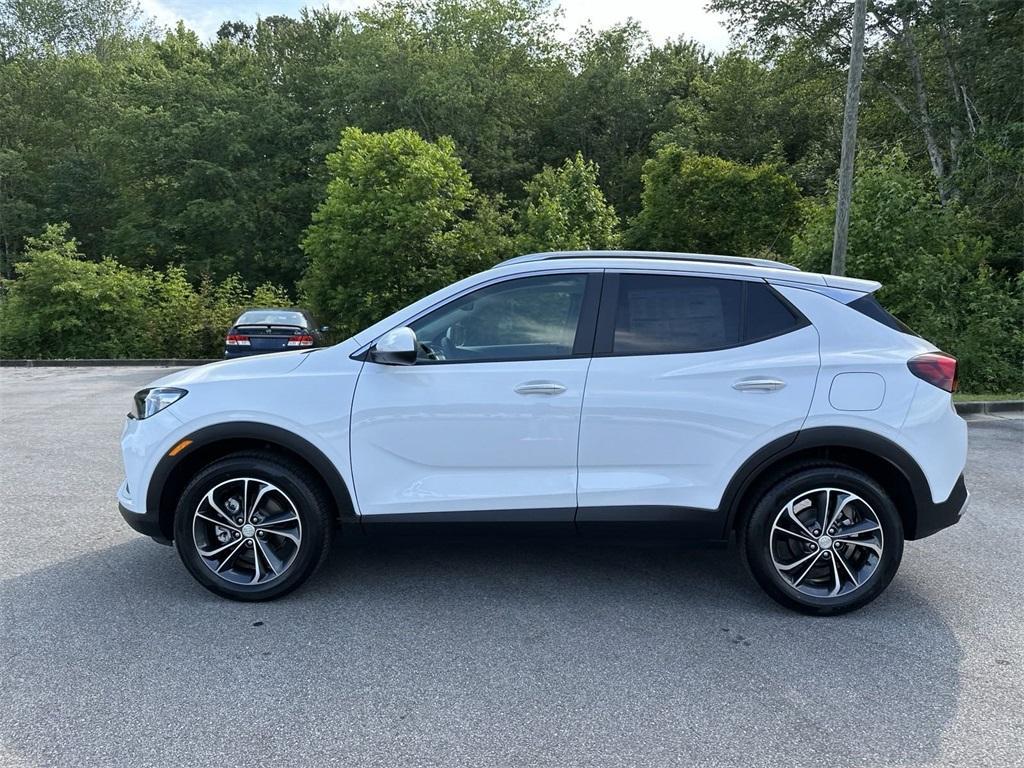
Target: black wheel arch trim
(250,430)
(923,518)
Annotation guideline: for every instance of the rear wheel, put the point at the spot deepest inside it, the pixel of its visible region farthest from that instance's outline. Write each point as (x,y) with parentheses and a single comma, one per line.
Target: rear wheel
(824,539)
(252,526)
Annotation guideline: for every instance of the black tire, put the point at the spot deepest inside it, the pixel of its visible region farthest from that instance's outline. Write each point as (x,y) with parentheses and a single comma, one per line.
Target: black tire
(289,488)
(850,575)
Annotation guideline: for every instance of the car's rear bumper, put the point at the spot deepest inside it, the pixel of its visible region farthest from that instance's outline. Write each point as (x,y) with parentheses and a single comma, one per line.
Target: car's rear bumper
(932,518)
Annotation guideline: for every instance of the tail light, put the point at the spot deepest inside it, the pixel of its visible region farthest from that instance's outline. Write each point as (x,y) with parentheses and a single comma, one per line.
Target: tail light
(937,368)
(300,341)
(235,340)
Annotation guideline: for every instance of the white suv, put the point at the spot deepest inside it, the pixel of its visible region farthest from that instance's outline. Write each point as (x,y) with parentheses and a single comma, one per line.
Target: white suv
(580,391)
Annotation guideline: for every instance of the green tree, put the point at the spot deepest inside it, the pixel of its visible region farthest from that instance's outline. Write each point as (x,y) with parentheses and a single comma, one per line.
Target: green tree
(479,71)
(50,107)
(38,27)
(622,91)
(941,76)
(401,219)
(706,204)
(169,153)
(216,177)
(62,305)
(933,269)
(565,209)
(749,111)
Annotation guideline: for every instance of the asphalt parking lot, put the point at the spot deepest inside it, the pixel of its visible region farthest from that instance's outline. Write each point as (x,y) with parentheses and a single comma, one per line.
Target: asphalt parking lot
(482,653)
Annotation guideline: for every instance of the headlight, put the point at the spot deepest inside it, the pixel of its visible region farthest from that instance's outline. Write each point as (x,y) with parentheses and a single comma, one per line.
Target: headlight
(150,401)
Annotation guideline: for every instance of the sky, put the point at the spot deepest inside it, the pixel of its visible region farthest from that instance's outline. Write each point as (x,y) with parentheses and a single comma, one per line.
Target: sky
(663,19)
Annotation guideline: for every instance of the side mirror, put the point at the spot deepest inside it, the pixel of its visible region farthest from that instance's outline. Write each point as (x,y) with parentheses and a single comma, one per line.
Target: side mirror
(396,347)
(324,328)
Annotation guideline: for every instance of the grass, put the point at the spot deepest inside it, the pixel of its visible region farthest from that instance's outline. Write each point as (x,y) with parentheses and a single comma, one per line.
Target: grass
(964,397)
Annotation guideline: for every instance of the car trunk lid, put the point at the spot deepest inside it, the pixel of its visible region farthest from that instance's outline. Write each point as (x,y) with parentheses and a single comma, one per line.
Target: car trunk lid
(269,337)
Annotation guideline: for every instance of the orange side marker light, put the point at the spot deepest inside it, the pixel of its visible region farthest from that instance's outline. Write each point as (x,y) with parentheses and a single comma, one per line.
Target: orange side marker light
(179,447)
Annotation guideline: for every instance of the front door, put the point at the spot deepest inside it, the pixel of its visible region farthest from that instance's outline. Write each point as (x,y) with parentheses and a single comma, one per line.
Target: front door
(487,420)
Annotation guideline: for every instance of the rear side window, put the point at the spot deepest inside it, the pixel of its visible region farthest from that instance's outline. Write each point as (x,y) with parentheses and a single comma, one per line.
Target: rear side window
(662,314)
(868,305)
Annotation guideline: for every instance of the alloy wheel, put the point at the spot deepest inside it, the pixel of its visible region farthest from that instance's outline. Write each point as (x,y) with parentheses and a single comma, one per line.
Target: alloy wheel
(247,531)
(826,542)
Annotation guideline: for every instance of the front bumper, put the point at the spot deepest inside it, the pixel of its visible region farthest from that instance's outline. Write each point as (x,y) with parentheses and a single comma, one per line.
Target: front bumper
(934,517)
(144,522)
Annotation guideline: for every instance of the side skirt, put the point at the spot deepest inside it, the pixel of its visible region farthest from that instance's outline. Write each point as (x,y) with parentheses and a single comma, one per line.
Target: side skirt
(673,525)
(651,522)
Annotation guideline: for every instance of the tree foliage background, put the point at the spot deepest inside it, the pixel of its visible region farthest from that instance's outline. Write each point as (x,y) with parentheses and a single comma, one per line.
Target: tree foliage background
(394,225)
(357,160)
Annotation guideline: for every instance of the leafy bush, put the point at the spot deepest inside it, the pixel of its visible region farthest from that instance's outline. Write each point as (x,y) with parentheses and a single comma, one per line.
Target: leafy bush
(565,209)
(706,204)
(63,306)
(400,220)
(934,273)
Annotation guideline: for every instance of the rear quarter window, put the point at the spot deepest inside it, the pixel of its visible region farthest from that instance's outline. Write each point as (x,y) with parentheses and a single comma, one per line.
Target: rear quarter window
(767,314)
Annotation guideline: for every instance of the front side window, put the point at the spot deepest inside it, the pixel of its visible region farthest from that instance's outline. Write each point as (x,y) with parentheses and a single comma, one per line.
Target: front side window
(664,314)
(529,318)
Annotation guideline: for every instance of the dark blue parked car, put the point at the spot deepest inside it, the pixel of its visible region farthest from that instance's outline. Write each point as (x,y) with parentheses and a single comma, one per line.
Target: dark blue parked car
(258,331)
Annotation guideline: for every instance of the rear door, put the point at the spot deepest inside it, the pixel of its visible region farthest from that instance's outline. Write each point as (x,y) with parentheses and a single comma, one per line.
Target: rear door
(690,376)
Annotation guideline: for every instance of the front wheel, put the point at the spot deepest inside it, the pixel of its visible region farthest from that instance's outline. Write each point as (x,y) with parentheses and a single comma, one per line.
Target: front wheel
(252,526)
(825,539)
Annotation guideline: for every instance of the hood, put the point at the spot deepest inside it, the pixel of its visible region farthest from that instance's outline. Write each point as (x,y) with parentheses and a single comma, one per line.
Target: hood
(257,366)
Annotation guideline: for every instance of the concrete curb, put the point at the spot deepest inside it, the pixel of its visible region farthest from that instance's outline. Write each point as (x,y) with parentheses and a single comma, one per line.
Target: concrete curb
(156,362)
(990,406)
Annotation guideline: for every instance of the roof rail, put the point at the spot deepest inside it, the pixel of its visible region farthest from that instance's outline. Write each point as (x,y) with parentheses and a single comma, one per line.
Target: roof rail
(702,257)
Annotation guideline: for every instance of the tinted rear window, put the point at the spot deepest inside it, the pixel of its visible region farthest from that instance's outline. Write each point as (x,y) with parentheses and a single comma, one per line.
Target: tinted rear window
(868,305)
(659,314)
(268,317)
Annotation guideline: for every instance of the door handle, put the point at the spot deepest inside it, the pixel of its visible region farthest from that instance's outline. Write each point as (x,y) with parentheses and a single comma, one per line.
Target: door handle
(540,388)
(759,385)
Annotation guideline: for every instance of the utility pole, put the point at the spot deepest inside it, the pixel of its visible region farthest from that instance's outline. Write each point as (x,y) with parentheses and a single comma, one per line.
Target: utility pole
(842,228)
